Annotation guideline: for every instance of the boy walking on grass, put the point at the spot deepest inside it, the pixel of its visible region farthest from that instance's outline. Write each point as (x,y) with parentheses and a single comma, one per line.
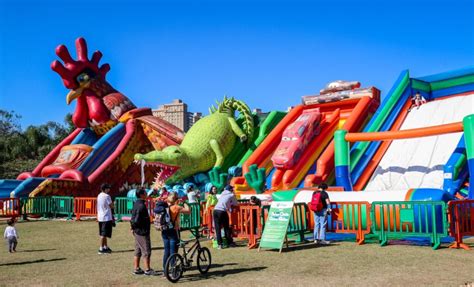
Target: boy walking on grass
(11,236)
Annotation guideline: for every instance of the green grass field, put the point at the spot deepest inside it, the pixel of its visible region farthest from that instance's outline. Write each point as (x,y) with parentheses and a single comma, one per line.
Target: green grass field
(59,253)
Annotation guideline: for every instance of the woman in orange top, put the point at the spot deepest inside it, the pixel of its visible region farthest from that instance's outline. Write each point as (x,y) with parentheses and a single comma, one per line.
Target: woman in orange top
(171,236)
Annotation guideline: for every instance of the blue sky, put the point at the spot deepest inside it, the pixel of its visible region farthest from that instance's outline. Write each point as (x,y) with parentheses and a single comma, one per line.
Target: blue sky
(268,53)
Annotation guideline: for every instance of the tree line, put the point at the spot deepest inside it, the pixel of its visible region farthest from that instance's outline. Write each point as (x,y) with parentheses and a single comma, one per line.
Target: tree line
(22,149)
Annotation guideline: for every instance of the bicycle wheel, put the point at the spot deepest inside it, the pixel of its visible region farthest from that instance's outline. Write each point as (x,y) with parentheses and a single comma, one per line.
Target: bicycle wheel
(174,267)
(203,260)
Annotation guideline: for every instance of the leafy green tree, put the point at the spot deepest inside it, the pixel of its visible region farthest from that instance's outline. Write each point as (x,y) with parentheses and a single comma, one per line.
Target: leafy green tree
(21,150)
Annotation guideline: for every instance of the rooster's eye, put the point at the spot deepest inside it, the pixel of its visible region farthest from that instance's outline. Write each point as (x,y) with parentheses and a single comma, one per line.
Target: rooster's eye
(82,78)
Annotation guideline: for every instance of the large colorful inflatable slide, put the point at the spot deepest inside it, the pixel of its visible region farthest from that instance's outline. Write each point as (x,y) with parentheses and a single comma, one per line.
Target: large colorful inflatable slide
(407,152)
(110,130)
(300,150)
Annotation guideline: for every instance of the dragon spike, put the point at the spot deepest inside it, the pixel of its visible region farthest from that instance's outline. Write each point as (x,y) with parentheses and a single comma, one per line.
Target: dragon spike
(212,110)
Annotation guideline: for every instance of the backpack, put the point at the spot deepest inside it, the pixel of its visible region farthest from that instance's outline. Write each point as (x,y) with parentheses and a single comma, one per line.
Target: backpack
(316,203)
(163,220)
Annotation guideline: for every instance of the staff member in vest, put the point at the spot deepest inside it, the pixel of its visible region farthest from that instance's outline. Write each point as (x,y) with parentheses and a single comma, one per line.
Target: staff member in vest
(104,217)
(321,216)
(225,203)
(140,226)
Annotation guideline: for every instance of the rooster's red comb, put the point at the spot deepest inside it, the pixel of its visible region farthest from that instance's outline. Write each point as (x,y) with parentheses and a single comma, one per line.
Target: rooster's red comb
(72,68)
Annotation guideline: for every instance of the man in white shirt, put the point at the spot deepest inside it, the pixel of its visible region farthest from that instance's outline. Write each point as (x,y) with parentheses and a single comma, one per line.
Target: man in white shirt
(225,204)
(104,217)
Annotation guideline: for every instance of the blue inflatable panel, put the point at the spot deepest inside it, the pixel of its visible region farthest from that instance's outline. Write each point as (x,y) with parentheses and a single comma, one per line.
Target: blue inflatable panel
(451,184)
(429,194)
(86,136)
(452,91)
(448,75)
(27,186)
(382,104)
(373,146)
(343,177)
(7,186)
(269,177)
(102,149)
(470,163)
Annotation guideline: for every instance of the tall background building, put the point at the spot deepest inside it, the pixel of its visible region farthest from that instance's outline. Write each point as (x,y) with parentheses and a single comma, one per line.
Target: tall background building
(177,113)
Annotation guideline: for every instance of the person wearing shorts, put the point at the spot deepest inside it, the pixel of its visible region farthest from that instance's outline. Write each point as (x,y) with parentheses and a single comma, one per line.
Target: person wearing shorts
(105,218)
(140,227)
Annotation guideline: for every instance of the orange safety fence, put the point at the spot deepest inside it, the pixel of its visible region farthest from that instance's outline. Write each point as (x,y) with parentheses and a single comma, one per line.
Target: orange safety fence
(461,221)
(207,221)
(350,217)
(85,206)
(234,221)
(9,207)
(250,225)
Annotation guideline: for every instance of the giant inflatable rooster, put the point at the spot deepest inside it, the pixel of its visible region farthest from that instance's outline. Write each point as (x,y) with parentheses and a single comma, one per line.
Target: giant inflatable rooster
(110,130)
(99,105)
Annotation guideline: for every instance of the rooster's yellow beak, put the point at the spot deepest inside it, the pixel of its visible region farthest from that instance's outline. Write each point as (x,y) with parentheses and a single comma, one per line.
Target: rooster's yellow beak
(73,94)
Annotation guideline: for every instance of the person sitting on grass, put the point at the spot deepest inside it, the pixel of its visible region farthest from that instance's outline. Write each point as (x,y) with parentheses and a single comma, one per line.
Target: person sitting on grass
(11,235)
(105,217)
(140,227)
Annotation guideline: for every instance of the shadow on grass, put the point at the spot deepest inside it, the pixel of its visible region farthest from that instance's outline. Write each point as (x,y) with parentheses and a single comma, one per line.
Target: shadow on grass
(37,250)
(213,266)
(214,274)
(304,246)
(132,250)
(32,262)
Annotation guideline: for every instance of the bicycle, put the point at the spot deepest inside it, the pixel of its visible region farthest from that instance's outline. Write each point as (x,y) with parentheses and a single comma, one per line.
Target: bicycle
(177,264)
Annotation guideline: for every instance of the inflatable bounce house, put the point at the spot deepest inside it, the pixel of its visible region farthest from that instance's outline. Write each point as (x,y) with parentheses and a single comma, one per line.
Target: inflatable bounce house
(109,131)
(408,152)
(417,144)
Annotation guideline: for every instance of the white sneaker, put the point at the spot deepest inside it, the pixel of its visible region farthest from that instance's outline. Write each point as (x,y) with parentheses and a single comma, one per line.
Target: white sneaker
(316,241)
(324,242)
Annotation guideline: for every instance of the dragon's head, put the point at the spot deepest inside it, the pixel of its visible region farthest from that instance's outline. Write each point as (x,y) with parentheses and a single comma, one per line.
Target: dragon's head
(172,164)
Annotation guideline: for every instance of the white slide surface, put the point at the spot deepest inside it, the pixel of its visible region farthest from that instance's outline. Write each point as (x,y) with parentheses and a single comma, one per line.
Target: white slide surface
(419,162)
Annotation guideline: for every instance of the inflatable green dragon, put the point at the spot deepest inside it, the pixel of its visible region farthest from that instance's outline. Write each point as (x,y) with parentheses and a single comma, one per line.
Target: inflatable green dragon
(209,141)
